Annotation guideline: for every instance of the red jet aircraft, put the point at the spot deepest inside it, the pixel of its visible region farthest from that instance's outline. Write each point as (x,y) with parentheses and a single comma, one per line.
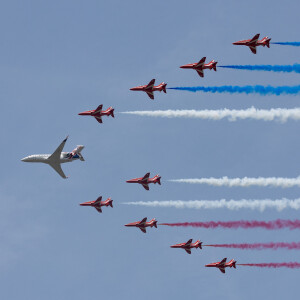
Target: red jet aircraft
(144,181)
(188,245)
(223,264)
(254,42)
(143,224)
(200,66)
(98,113)
(150,88)
(98,203)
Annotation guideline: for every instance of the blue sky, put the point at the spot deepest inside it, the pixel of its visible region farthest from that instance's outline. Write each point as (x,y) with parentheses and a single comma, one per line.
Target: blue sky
(61,58)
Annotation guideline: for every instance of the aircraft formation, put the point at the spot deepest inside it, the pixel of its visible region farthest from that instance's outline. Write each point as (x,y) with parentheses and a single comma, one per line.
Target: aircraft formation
(58,157)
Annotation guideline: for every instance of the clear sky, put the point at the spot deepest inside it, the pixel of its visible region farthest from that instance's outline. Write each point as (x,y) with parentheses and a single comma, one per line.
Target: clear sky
(59,58)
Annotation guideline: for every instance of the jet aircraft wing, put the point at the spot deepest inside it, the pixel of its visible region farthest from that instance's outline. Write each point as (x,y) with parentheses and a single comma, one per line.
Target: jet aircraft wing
(99,199)
(222,270)
(201,61)
(223,261)
(55,156)
(99,209)
(143,229)
(200,73)
(99,119)
(150,84)
(254,39)
(58,169)
(188,251)
(99,108)
(150,94)
(143,221)
(146,176)
(188,242)
(146,186)
(253,49)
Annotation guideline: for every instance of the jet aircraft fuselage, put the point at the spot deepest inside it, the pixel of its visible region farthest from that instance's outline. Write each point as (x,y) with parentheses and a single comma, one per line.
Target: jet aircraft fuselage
(143,224)
(150,88)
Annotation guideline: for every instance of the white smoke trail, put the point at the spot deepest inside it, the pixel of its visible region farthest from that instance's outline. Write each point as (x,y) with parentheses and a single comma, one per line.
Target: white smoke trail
(273,114)
(229,204)
(244,182)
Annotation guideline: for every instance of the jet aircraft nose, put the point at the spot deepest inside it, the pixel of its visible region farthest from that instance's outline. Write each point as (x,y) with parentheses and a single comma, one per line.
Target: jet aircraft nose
(186,67)
(84,113)
(24,159)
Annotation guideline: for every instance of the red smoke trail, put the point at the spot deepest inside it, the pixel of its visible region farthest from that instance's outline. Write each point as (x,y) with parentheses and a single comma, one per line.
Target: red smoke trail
(291,265)
(270,225)
(259,246)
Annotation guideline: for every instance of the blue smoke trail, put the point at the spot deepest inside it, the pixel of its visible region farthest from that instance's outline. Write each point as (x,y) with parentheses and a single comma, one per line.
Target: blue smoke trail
(295,44)
(248,89)
(275,68)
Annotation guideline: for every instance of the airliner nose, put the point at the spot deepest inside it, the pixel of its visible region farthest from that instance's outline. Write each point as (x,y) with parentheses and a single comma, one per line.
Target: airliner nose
(24,159)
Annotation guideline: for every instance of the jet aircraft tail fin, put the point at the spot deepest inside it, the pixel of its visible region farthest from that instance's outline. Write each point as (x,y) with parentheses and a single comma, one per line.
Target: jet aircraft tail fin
(214,66)
(110,202)
(112,112)
(158,179)
(267,41)
(164,85)
(79,149)
(234,264)
(76,151)
(155,224)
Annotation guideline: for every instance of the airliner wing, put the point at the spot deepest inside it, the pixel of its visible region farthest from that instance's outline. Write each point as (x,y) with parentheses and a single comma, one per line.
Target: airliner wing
(55,156)
(58,169)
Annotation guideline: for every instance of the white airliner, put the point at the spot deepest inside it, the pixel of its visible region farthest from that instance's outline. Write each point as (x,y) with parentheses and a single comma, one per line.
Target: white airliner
(57,157)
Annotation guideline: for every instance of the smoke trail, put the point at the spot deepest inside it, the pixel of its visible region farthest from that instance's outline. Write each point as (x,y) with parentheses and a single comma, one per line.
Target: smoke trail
(274,114)
(248,89)
(275,68)
(230,204)
(291,265)
(259,246)
(244,182)
(295,44)
(270,225)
